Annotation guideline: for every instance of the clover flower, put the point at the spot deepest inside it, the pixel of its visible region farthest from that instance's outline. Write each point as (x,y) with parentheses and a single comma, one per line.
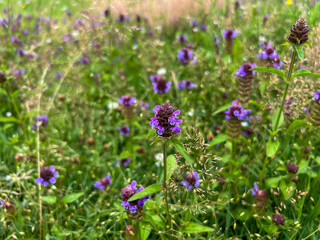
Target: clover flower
(40,121)
(192,181)
(186,84)
(103,183)
(245,81)
(124,130)
(160,85)
(47,175)
(299,32)
(133,207)
(185,55)
(166,121)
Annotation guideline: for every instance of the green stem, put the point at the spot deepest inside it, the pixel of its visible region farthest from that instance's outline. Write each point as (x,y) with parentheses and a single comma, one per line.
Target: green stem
(131,147)
(165,180)
(263,170)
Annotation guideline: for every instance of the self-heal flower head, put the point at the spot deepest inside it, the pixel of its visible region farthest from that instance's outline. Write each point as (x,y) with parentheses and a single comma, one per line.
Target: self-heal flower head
(182,39)
(166,121)
(316,97)
(185,55)
(299,32)
(236,112)
(40,121)
(127,192)
(103,183)
(194,23)
(124,130)
(186,84)
(254,190)
(47,175)
(268,54)
(277,63)
(192,181)
(127,101)
(244,70)
(160,85)
(229,34)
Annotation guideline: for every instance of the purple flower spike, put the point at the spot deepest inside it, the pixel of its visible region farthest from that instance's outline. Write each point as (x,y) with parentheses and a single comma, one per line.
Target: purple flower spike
(192,181)
(124,162)
(103,183)
(244,70)
(268,54)
(124,130)
(166,121)
(40,121)
(236,112)
(185,56)
(186,84)
(316,96)
(229,34)
(160,85)
(255,189)
(127,101)
(182,39)
(48,176)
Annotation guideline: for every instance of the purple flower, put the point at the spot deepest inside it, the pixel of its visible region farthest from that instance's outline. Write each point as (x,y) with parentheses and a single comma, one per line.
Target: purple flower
(47,175)
(40,121)
(185,56)
(127,101)
(316,96)
(19,73)
(127,193)
(192,181)
(122,18)
(84,59)
(186,84)
(144,106)
(229,34)
(103,183)
(160,85)
(166,121)
(236,112)
(203,27)
(59,75)
(182,39)
(255,189)
(194,23)
(124,162)
(268,54)
(277,63)
(124,130)
(244,70)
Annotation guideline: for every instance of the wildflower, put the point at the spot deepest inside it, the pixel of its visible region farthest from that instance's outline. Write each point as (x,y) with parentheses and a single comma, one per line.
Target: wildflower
(84,59)
(160,85)
(144,106)
(166,121)
(314,117)
(19,72)
(245,81)
(260,199)
(124,162)
(106,12)
(103,183)
(217,43)
(229,35)
(127,101)
(299,32)
(8,207)
(268,54)
(186,84)
(185,56)
(236,112)
(182,39)
(133,208)
(40,121)
(278,219)
(59,75)
(3,77)
(277,63)
(192,181)
(124,130)
(159,158)
(127,107)
(203,27)
(122,18)
(292,168)
(194,23)
(265,19)
(47,175)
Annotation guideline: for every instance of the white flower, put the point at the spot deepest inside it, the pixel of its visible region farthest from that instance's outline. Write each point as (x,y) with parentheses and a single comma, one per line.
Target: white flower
(8,114)
(161,71)
(159,158)
(113,105)
(8,177)
(244,124)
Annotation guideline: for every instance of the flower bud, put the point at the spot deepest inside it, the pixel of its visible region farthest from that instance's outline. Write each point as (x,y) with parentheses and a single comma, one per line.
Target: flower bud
(299,32)
(278,219)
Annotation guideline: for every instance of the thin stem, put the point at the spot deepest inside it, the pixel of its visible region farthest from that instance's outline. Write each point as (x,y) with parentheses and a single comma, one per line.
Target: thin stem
(165,180)
(131,147)
(263,170)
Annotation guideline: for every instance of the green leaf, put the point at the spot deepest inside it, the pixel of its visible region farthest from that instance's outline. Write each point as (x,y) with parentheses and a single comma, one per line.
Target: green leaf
(221,109)
(270,70)
(145,230)
(284,44)
(273,182)
(300,52)
(303,167)
(304,72)
(275,117)
(219,139)
(287,190)
(9,119)
(178,145)
(295,124)
(154,188)
(193,227)
(272,147)
(172,165)
(49,199)
(71,197)
(152,133)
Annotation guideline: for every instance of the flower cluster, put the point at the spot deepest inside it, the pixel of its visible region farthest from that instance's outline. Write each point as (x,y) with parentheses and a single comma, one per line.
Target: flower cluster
(185,55)
(229,34)
(124,162)
(278,219)
(315,112)
(186,84)
(166,120)
(245,81)
(160,85)
(47,175)
(103,183)
(127,101)
(260,199)
(182,39)
(236,112)
(192,181)
(124,130)
(245,71)
(299,32)
(270,56)
(127,193)
(316,97)
(40,121)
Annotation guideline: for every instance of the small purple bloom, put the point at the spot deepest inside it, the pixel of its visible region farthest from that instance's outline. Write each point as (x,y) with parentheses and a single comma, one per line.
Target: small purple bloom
(203,27)
(236,112)
(144,106)
(194,23)
(40,121)
(186,84)
(47,175)
(103,183)
(244,70)
(182,39)
(229,34)
(124,130)
(124,162)
(185,56)
(255,190)
(59,75)
(316,97)
(127,101)
(277,63)
(127,193)
(268,54)
(122,18)
(192,181)
(160,85)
